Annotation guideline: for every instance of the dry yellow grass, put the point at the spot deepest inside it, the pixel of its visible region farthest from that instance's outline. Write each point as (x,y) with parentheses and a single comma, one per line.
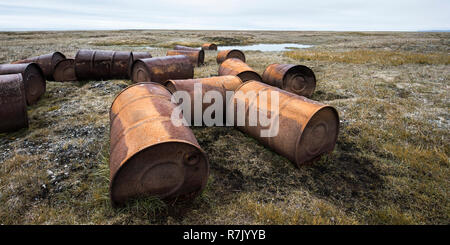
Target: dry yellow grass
(374,57)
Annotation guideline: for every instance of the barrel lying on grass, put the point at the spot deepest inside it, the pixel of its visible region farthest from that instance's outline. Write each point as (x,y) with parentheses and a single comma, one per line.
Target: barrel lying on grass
(228,54)
(65,71)
(161,69)
(238,68)
(181,47)
(46,62)
(306,129)
(33,79)
(209,46)
(297,79)
(197,57)
(150,156)
(221,84)
(13,106)
(101,65)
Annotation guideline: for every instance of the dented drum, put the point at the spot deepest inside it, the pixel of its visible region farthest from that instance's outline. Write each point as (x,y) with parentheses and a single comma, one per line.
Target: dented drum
(297,79)
(101,65)
(238,68)
(33,79)
(197,57)
(161,69)
(13,106)
(221,84)
(227,54)
(150,156)
(65,71)
(46,62)
(209,46)
(307,129)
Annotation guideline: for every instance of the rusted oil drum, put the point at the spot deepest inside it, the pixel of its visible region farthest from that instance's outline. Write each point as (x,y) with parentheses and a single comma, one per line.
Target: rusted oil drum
(33,79)
(307,129)
(238,68)
(221,84)
(101,65)
(297,79)
(65,71)
(227,54)
(181,47)
(150,156)
(141,55)
(209,46)
(197,58)
(47,62)
(13,105)
(161,69)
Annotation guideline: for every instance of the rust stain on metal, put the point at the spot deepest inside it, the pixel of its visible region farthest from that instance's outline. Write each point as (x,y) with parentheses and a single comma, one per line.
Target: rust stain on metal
(181,47)
(197,57)
(228,54)
(220,84)
(101,64)
(209,46)
(238,68)
(46,62)
(33,79)
(13,106)
(161,69)
(150,156)
(297,79)
(307,129)
(137,56)
(65,71)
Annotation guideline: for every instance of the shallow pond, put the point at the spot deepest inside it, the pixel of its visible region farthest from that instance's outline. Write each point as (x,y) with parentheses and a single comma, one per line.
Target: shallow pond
(268,47)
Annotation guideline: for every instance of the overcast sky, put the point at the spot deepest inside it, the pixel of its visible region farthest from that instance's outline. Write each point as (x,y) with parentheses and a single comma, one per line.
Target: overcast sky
(351,15)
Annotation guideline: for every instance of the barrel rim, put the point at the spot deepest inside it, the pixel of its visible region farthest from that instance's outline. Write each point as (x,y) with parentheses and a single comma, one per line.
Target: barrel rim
(122,164)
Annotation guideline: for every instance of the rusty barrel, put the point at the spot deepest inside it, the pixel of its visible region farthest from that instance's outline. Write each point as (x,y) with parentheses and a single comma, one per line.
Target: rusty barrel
(197,57)
(141,55)
(209,46)
(238,68)
(297,79)
(101,64)
(307,129)
(46,62)
(65,71)
(181,47)
(227,54)
(221,84)
(150,156)
(13,105)
(161,69)
(33,79)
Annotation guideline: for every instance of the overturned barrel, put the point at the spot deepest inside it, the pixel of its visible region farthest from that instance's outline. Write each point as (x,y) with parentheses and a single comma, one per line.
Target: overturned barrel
(297,79)
(209,46)
(197,57)
(65,71)
(228,54)
(46,62)
(221,84)
(300,129)
(181,47)
(33,79)
(13,106)
(161,69)
(101,64)
(141,55)
(150,156)
(238,68)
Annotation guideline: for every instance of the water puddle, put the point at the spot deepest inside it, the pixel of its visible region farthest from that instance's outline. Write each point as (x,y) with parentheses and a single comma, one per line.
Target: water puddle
(268,47)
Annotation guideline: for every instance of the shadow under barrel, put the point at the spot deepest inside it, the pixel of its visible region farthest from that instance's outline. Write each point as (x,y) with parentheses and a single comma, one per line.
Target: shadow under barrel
(33,79)
(221,84)
(209,46)
(13,105)
(101,64)
(46,62)
(297,79)
(300,129)
(150,155)
(161,69)
(238,68)
(228,54)
(197,57)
